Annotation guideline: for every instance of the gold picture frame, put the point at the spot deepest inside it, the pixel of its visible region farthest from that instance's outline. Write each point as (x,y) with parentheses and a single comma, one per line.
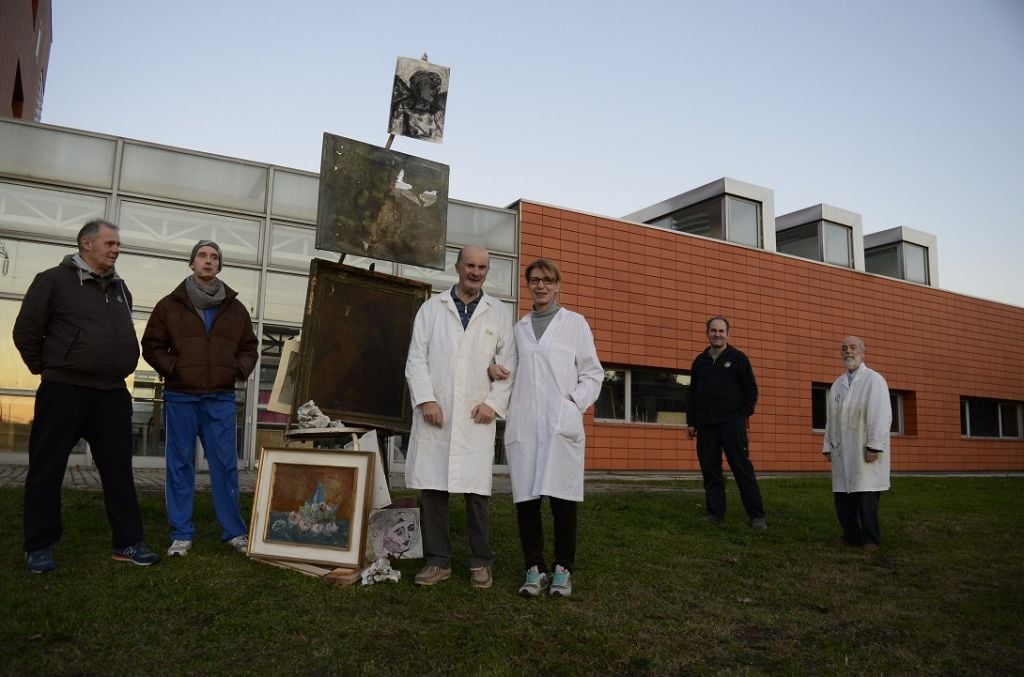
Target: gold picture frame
(312,506)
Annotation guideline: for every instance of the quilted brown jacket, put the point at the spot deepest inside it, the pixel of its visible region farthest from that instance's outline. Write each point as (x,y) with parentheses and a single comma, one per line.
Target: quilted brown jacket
(176,344)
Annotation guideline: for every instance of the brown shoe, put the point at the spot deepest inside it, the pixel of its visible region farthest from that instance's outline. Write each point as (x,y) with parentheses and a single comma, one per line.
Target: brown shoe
(480,577)
(432,574)
(870,547)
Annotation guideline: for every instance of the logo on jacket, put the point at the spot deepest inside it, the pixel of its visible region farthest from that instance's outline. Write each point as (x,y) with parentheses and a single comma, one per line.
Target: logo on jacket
(727,365)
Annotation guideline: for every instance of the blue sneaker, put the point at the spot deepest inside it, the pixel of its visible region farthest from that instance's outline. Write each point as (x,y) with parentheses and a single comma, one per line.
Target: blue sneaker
(40,561)
(137,554)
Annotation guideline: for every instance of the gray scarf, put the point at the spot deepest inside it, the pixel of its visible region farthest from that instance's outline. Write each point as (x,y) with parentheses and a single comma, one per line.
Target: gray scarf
(204,297)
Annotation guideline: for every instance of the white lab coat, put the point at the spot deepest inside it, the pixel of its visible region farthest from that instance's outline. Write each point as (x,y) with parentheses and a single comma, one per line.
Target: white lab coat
(544,438)
(859,416)
(448,365)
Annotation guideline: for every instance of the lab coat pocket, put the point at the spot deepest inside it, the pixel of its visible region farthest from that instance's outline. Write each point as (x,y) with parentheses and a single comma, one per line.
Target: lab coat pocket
(570,421)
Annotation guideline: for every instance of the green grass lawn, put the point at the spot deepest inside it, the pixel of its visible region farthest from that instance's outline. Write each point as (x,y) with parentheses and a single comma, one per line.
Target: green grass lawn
(655,592)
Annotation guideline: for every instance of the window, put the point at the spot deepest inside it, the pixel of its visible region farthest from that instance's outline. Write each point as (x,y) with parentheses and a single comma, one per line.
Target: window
(837,244)
(915,263)
(724,218)
(802,241)
(818,241)
(819,408)
(703,218)
(744,225)
(902,260)
(643,396)
(990,418)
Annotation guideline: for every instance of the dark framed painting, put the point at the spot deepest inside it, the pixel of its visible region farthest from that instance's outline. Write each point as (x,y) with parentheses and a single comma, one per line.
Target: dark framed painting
(356,331)
(312,506)
(381,204)
(419,100)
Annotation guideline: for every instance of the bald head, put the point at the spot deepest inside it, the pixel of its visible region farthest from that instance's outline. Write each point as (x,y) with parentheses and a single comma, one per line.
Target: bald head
(472,265)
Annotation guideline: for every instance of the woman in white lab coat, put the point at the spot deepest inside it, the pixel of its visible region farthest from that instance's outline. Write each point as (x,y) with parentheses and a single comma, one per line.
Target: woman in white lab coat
(557,377)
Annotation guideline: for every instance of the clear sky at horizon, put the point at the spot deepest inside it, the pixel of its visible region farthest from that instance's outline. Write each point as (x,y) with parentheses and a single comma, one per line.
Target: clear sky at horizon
(909,113)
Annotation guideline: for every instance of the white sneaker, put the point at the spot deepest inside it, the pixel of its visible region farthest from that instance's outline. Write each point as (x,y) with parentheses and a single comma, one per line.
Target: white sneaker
(535,585)
(179,548)
(240,543)
(561,585)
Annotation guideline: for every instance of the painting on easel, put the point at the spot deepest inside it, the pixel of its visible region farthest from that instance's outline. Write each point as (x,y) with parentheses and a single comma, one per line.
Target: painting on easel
(381,204)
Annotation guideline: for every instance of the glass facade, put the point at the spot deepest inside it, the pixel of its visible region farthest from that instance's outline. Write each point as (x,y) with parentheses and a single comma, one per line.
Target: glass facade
(52,181)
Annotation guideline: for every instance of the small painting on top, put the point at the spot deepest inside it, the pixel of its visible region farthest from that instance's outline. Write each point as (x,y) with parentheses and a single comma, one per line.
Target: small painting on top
(418,100)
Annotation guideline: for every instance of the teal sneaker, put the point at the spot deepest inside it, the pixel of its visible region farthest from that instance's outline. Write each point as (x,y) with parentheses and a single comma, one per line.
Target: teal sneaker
(561,583)
(137,554)
(536,583)
(40,561)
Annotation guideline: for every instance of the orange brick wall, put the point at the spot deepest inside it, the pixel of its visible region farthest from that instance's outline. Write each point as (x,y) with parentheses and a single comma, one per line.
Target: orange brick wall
(18,46)
(647,292)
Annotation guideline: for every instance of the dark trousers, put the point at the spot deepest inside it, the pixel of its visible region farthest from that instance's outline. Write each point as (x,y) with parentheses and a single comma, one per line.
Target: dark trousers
(63,414)
(858,516)
(531,532)
(730,437)
(437,544)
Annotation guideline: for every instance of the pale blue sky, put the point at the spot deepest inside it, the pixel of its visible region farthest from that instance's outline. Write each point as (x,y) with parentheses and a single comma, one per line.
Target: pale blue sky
(910,112)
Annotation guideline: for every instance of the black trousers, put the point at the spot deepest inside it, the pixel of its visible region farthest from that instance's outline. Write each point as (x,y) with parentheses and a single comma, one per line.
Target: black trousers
(437,544)
(858,516)
(730,437)
(531,532)
(63,414)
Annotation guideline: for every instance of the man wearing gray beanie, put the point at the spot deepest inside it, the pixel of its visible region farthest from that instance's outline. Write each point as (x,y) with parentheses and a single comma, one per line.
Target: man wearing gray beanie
(200,340)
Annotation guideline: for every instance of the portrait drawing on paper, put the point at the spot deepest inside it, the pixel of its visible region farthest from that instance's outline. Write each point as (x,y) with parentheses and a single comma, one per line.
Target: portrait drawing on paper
(395,533)
(419,100)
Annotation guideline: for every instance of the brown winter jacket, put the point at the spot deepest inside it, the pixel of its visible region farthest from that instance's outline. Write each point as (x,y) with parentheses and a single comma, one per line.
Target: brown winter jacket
(76,328)
(176,344)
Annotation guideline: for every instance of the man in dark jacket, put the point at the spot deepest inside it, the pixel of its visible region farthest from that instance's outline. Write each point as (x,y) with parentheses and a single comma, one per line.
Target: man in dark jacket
(75,330)
(722,396)
(200,339)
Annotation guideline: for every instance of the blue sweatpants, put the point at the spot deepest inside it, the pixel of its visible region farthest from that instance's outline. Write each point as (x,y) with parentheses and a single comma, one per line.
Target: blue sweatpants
(212,420)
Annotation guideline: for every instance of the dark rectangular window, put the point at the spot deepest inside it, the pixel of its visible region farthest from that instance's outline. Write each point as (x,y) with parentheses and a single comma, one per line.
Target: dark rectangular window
(643,396)
(981,417)
(819,406)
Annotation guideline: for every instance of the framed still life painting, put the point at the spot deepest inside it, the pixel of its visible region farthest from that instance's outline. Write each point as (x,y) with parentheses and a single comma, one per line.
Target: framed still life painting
(355,340)
(312,506)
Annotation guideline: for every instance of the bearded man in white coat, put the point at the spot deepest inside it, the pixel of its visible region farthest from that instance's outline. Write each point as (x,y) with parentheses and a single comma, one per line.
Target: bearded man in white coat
(558,376)
(857,446)
(456,336)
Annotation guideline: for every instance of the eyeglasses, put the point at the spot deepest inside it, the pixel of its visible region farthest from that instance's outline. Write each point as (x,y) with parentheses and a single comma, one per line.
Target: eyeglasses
(534,281)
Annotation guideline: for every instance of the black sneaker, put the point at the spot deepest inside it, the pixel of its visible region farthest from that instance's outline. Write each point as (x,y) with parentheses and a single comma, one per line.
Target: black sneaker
(137,554)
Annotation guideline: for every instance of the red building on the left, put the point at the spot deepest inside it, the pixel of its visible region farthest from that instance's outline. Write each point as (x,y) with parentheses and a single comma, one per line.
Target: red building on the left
(26,31)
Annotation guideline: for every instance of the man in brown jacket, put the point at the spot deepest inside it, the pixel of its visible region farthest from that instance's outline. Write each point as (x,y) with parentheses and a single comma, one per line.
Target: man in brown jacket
(200,339)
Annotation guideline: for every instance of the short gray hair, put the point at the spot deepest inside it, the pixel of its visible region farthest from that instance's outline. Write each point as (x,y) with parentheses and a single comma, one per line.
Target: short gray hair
(92,229)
